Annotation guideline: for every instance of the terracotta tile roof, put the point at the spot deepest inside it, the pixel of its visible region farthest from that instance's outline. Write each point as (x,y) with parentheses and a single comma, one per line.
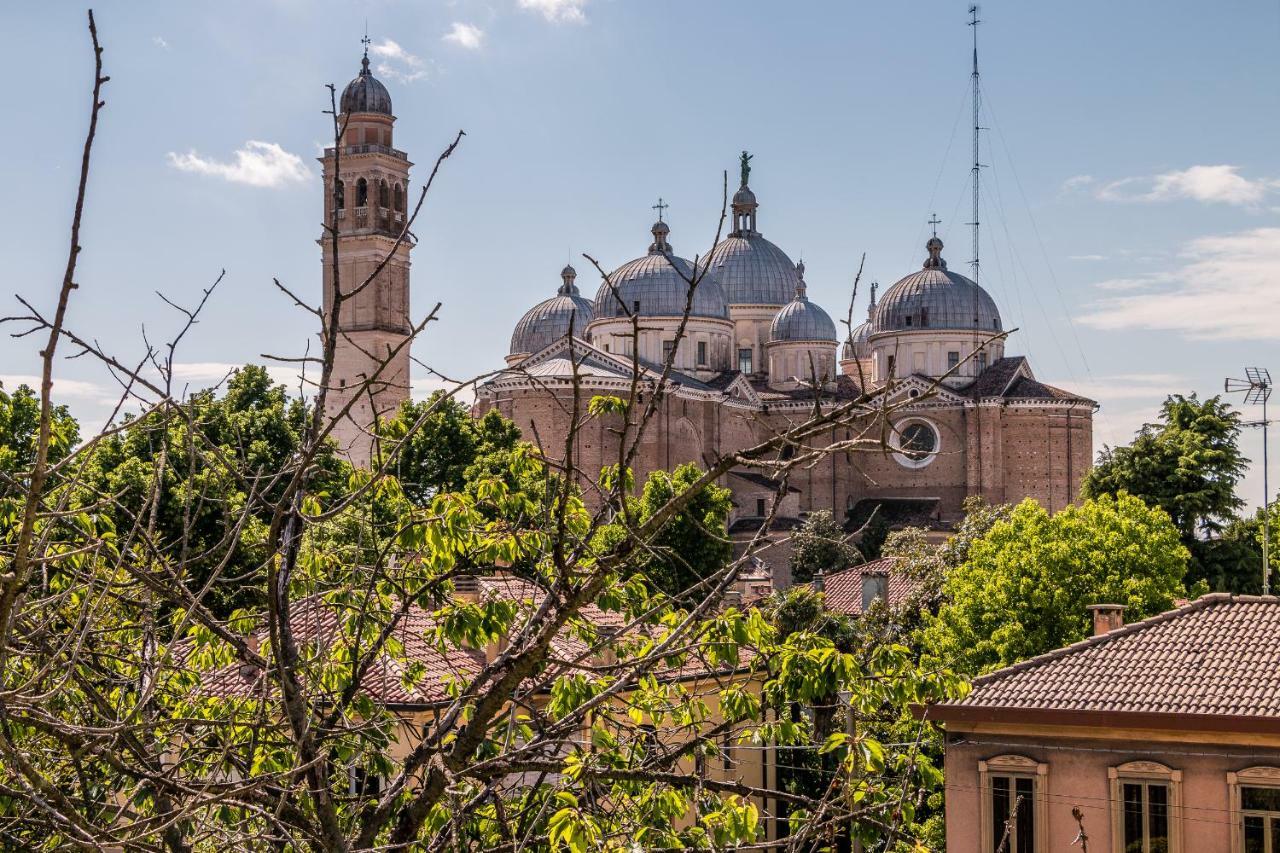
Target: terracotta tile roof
(843,589)
(316,622)
(571,646)
(1216,656)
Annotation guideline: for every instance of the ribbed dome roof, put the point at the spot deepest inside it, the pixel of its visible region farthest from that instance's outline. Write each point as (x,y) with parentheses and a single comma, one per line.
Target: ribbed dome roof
(548,321)
(753,271)
(802,320)
(935,298)
(660,291)
(365,94)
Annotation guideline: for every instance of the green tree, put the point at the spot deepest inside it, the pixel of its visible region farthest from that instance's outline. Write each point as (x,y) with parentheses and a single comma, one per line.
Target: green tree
(19,423)
(820,545)
(1187,464)
(198,465)
(694,543)
(1024,588)
(448,440)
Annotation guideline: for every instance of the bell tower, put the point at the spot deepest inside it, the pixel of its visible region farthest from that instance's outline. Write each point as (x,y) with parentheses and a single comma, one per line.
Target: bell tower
(367,181)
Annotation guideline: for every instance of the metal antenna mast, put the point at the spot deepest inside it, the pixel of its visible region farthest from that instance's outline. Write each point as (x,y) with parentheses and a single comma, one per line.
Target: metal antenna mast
(977,168)
(1257,389)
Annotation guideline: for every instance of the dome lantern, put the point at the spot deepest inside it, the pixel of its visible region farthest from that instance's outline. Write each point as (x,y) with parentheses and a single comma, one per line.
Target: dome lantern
(552,319)
(935,298)
(656,284)
(752,270)
(802,320)
(365,94)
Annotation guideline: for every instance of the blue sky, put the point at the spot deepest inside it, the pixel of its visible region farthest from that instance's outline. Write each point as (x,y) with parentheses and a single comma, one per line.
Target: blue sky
(1132,202)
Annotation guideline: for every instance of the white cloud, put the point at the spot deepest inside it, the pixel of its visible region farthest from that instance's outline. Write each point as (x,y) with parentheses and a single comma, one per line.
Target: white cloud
(1225,290)
(557,11)
(422,387)
(1220,184)
(1126,386)
(160,42)
(62,388)
(258,164)
(1077,182)
(1087,258)
(465,35)
(397,63)
(201,374)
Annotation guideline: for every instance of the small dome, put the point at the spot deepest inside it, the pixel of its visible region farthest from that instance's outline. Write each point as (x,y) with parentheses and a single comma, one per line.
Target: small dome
(658,284)
(935,298)
(802,320)
(855,346)
(365,94)
(549,320)
(744,197)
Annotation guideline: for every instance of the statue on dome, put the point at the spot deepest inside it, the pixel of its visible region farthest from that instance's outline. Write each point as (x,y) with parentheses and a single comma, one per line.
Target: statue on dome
(745,166)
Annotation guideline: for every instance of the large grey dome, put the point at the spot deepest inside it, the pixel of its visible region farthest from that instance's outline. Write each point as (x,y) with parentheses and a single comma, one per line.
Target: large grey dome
(753,271)
(650,284)
(802,320)
(935,298)
(549,320)
(365,94)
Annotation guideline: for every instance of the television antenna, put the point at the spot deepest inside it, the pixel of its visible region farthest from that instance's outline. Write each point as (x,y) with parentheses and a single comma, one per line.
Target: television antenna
(1256,387)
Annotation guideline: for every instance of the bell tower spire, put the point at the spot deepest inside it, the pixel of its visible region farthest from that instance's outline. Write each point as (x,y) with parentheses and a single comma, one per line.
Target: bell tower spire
(366,190)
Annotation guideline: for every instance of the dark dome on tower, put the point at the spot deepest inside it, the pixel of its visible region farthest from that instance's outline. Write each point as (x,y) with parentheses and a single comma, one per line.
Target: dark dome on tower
(365,94)
(935,298)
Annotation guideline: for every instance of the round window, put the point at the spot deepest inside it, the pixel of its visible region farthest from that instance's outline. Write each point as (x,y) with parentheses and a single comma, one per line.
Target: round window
(918,441)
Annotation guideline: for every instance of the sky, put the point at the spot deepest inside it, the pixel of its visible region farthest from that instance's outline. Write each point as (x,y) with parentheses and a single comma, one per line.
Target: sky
(1130,200)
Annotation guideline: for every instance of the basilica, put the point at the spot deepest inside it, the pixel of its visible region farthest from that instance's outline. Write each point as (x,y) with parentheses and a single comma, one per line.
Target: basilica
(968,419)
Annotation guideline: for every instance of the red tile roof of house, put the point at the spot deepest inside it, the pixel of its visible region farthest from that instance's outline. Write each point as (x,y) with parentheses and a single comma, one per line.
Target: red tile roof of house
(843,589)
(1216,657)
(316,622)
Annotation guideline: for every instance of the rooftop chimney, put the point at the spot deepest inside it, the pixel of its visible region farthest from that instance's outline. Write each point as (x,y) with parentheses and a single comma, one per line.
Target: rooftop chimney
(875,587)
(1106,617)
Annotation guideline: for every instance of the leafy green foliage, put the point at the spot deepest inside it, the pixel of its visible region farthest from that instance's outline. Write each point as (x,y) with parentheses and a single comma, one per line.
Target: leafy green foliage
(206,459)
(820,545)
(443,441)
(691,545)
(1024,586)
(19,423)
(1188,464)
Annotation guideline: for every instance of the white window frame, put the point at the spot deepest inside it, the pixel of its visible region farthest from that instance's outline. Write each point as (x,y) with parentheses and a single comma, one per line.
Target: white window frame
(1139,772)
(901,457)
(1260,776)
(1026,768)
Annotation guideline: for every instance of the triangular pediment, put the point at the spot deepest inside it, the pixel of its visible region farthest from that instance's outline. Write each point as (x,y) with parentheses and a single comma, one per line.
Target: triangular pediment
(917,386)
(740,389)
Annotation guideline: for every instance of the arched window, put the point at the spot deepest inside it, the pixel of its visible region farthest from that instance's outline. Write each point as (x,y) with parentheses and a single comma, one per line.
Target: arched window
(399,198)
(339,195)
(362,192)
(384,195)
